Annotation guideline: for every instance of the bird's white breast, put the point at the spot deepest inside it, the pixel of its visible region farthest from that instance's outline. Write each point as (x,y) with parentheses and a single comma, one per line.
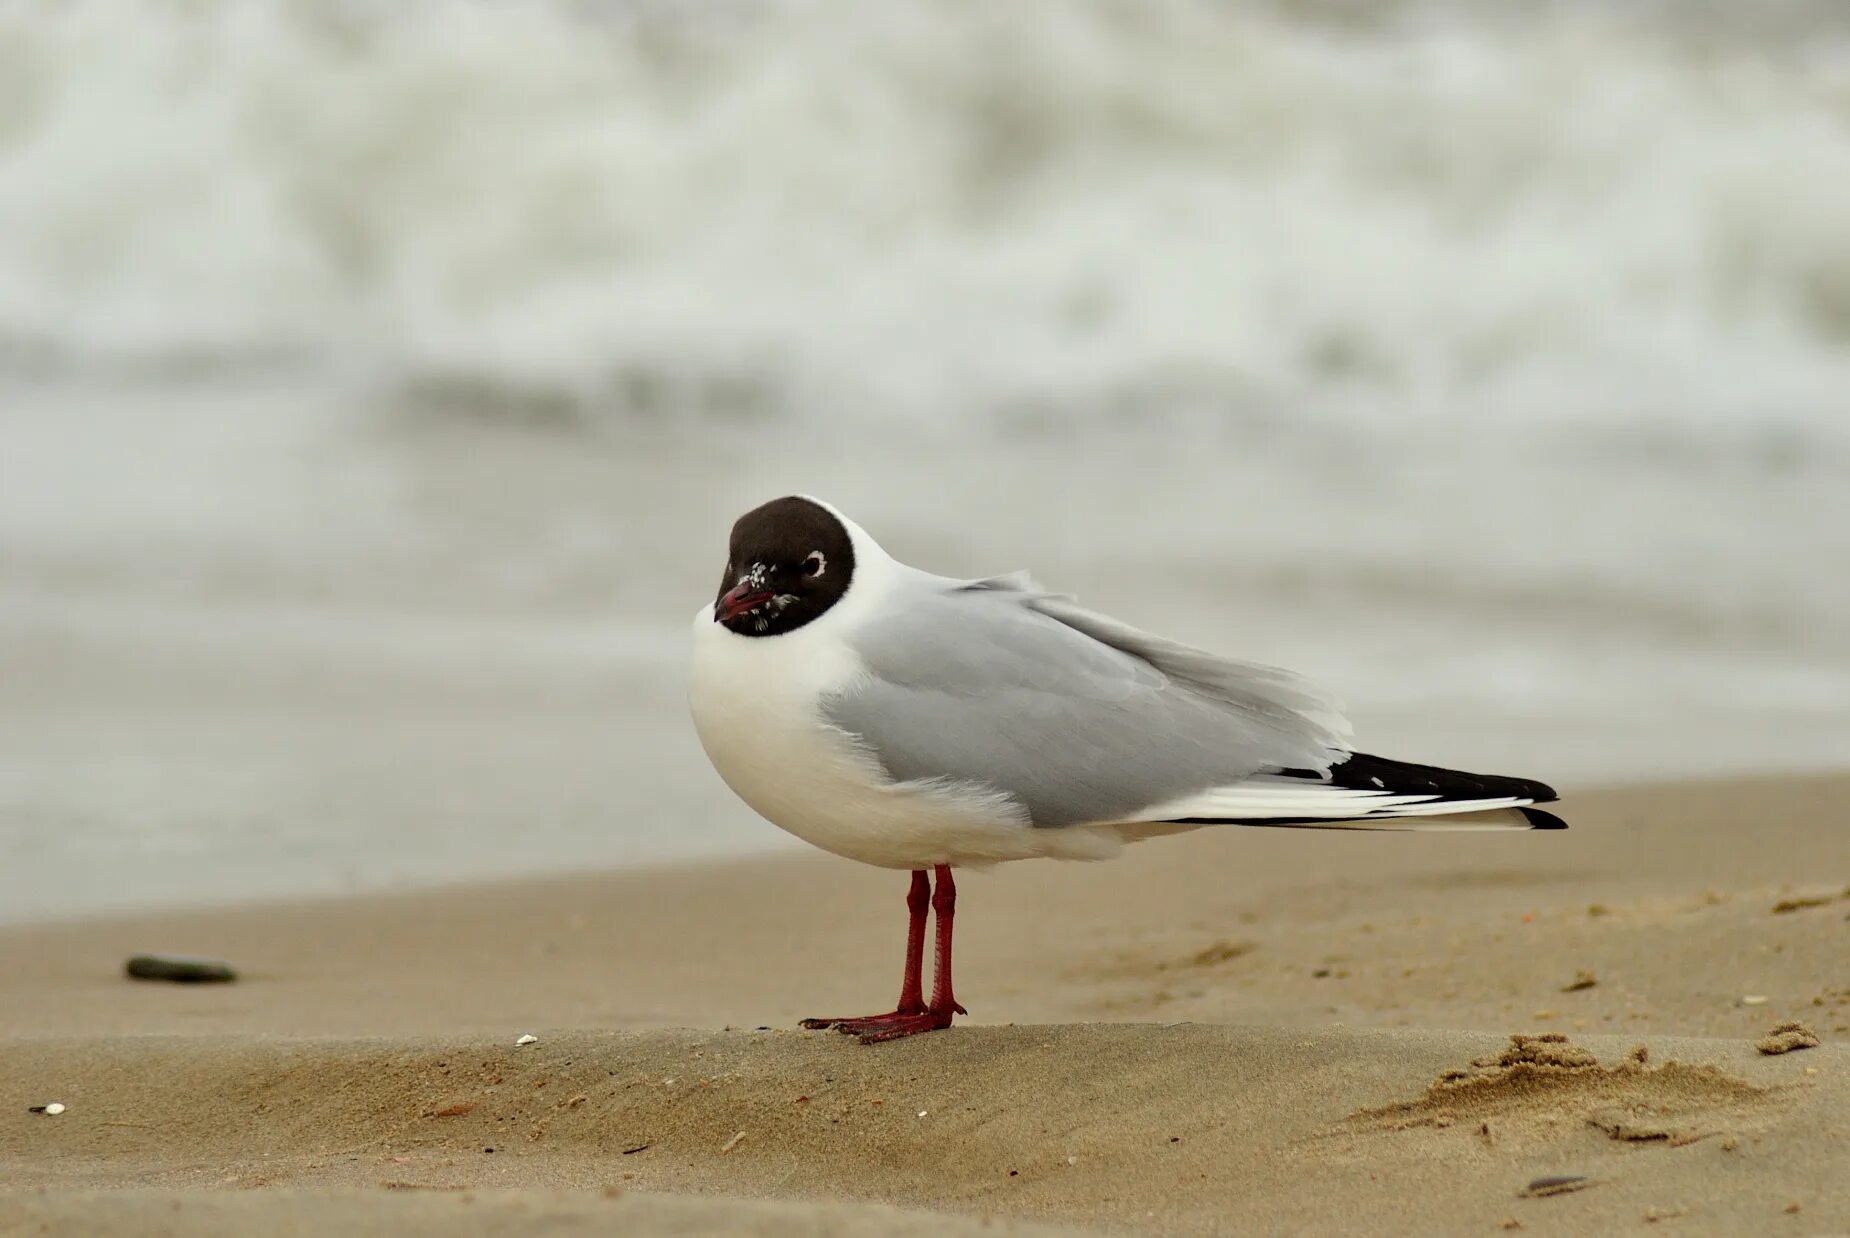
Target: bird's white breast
(758,703)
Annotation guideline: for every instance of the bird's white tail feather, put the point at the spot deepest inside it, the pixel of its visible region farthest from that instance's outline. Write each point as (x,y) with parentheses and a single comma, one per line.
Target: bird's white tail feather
(1433,819)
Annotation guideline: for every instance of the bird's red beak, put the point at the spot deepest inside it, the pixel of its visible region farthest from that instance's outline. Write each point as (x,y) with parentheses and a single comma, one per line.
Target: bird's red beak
(739,599)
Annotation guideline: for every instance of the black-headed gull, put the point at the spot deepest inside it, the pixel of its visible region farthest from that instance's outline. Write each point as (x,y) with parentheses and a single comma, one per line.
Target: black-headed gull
(918,722)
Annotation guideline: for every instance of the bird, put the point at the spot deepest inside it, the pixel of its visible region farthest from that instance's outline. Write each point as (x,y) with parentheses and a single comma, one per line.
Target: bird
(925,723)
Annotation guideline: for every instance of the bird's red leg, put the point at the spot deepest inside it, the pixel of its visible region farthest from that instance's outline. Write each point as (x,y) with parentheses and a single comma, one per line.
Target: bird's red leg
(912,985)
(943,1000)
(944,902)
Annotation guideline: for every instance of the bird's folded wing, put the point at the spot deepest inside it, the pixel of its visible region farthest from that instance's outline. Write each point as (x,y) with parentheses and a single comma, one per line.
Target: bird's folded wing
(1074,715)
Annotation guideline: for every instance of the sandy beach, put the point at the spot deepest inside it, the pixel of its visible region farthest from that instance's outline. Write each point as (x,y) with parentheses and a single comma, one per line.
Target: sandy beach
(379,383)
(1258,1030)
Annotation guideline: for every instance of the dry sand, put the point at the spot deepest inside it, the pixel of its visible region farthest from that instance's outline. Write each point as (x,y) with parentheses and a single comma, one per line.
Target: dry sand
(1263,1031)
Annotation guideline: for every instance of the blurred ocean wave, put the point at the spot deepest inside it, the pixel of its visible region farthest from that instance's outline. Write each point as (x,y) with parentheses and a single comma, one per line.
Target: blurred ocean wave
(1556,218)
(377,383)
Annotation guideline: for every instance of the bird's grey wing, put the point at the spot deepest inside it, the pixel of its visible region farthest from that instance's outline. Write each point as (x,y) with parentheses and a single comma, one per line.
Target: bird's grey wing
(1074,715)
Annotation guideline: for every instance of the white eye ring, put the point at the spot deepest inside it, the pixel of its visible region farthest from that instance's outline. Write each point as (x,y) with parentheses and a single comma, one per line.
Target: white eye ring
(815,565)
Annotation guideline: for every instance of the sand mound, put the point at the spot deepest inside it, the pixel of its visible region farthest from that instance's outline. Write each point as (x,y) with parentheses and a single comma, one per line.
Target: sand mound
(1192,1129)
(1786,1037)
(1538,1084)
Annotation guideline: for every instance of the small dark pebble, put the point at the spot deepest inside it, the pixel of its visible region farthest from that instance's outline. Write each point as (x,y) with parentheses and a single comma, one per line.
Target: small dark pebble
(1557,1184)
(488,1149)
(179,969)
(1321,972)
(1014,1173)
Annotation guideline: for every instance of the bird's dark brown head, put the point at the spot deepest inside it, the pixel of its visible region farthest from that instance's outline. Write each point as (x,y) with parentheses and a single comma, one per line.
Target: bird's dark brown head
(789,561)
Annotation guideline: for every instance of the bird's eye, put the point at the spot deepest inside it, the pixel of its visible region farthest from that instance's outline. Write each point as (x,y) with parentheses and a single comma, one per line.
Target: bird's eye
(815,565)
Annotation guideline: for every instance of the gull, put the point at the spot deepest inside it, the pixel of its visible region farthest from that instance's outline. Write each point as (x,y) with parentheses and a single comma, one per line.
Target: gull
(925,723)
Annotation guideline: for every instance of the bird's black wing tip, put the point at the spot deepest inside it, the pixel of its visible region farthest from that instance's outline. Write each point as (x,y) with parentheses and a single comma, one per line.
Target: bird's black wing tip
(1364,771)
(1539,820)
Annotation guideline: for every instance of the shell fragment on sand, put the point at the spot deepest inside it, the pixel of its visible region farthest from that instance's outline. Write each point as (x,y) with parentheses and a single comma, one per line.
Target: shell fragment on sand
(179,969)
(1582,980)
(527,1038)
(52,1110)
